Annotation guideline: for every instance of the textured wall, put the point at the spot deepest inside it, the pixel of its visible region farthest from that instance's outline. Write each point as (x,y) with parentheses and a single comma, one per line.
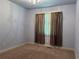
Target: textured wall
(77,30)
(12,18)
(17,24)
(68,23)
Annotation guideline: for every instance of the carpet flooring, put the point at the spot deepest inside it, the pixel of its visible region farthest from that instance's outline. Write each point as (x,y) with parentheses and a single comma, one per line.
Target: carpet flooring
(35,51)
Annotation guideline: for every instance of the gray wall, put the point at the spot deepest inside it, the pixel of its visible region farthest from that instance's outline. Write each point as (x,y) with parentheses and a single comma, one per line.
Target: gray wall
(17,25)
(68,23)
(12,19)
(77,30)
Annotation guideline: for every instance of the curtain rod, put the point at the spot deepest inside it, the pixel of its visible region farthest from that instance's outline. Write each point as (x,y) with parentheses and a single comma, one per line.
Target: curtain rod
(47,12)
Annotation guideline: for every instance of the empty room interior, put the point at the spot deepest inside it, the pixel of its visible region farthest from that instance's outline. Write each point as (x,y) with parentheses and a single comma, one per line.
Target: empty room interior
(39,29)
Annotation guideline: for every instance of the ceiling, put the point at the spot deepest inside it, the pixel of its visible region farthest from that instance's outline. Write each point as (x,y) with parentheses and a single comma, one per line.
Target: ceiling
(43,3)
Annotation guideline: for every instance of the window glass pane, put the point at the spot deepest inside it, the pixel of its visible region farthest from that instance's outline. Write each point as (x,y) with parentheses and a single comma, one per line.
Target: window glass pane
(47,24)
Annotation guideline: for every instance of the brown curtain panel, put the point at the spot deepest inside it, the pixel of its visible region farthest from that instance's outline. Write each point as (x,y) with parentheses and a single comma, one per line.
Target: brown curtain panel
(56,29)
(39,29)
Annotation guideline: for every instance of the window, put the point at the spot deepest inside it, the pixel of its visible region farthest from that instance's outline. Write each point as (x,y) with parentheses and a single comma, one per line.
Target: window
(47,26)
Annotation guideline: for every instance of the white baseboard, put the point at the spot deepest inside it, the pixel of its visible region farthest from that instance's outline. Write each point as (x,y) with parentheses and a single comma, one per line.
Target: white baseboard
(53,46)
(5,50)
(2,51)
(68,48)
(77,55)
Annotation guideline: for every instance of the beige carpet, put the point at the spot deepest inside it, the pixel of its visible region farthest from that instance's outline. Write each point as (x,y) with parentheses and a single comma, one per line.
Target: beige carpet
(34,51)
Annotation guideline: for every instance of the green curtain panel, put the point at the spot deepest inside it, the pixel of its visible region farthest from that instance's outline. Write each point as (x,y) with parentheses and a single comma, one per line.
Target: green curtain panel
(47,26)
(56,29)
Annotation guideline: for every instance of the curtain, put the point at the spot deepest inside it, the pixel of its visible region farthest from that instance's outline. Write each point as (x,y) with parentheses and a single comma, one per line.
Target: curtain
(39,29)
(56,29)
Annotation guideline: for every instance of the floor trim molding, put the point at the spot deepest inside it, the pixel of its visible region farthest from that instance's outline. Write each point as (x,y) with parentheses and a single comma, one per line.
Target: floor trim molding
(5,50)
(53,46)
(77,55)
